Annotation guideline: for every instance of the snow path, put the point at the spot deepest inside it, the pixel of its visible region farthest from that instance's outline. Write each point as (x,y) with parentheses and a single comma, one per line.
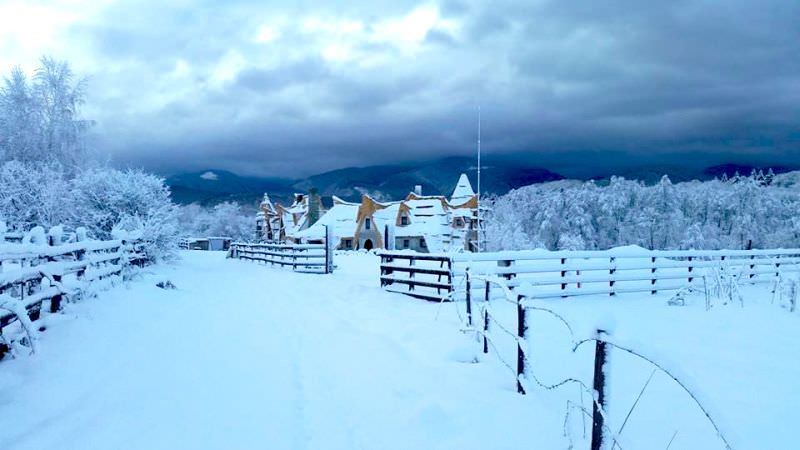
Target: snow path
(245,356)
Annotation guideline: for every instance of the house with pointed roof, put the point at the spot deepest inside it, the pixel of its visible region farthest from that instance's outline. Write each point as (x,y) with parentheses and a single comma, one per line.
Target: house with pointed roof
(421,223)
(278,222)
(341,219)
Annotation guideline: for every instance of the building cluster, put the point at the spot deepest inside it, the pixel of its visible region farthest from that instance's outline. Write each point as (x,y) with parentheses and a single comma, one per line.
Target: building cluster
(418,222)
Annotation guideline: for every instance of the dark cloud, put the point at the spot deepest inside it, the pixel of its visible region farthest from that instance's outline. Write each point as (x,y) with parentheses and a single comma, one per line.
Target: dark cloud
(270,88)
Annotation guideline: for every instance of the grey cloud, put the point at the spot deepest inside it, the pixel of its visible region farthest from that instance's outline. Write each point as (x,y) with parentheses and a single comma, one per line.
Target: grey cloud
(650,81)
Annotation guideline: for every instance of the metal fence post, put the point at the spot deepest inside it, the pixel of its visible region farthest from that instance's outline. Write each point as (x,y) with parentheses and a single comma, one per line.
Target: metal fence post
(653,279)
(486,318)
(469,299)
(599,386)
(328,250)
(612,268)
(522,329)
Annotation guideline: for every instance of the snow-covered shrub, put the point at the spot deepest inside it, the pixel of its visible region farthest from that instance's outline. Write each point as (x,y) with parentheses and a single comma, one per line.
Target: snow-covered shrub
(787,292)
(131,201)
(34,194)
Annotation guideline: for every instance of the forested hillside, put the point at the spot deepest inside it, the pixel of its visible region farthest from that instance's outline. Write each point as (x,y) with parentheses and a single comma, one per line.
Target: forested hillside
(759,211)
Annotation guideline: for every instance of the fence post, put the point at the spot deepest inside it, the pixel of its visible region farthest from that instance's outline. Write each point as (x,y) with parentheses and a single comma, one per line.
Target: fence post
(55,302)
(612,269)
(522,329)
(469,299)
(599,386)
(80,255)
(653,273)
(328,250)
(690,271)
(449,276)
(563,274)
(505,263)
(486,318)
(752,266)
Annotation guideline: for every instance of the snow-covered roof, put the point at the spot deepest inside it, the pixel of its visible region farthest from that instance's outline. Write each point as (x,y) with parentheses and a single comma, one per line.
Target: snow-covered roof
(266,204)
(463,191)
(429,218)
(341,217)
(386,216)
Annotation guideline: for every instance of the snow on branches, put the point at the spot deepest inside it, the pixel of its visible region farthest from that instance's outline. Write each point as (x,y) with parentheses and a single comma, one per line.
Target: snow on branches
(758,211)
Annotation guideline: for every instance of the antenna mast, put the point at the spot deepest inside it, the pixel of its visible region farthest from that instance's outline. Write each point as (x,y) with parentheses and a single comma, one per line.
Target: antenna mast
(480,244)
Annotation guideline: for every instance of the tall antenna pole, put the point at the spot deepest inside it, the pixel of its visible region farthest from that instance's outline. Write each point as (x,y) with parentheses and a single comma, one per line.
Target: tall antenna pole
(479,156)
(480,244)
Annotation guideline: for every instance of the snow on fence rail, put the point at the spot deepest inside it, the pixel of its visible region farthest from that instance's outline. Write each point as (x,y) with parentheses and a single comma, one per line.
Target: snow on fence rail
(316,258)
(572,273)
(35,277)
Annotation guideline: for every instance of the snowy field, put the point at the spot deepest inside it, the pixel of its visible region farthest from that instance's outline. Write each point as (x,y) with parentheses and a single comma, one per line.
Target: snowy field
(243,356)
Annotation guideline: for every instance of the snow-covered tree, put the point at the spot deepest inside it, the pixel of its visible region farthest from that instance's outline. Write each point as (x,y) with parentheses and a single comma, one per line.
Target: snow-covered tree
(227,219)
(732,213)
(40,117)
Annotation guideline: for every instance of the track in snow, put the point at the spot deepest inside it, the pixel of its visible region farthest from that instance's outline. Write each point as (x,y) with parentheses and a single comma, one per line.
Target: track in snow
(245,356)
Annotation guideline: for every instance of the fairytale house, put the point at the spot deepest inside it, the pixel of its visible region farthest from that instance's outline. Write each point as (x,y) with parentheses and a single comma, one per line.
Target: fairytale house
(278,222)
(420,223)
(341,219)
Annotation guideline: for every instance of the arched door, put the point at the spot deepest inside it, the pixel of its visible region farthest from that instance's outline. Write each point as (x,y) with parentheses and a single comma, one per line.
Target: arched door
(368,244)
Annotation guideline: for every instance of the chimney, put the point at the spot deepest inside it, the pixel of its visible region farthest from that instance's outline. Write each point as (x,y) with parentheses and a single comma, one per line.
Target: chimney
(314,202)
(418,189)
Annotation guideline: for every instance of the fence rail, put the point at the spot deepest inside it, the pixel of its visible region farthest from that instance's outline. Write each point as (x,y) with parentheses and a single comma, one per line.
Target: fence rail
(429,272)
(315,258)
(567,274)
(36,277)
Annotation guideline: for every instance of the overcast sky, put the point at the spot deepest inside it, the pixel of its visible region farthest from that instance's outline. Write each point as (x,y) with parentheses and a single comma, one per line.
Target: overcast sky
(293,88)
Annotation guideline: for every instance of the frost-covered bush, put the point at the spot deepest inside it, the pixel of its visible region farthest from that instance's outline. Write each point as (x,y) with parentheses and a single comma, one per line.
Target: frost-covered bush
(34,194)
(111,202)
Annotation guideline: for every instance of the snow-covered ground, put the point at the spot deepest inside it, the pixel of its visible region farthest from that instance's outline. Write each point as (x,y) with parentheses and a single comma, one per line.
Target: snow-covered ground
(245,356)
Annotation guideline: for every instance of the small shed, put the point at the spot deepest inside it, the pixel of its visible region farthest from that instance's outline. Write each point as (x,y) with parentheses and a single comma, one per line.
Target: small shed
(219,243)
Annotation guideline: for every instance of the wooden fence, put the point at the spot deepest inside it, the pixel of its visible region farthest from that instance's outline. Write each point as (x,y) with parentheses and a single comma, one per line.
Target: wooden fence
(572,273)
(33,277)
(419,270)
(314,258)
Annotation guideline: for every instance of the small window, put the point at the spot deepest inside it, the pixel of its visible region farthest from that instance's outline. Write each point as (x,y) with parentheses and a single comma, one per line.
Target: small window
(403,220)
(422,242)
(406,243)
(367,223)
(459,222)
(348,244)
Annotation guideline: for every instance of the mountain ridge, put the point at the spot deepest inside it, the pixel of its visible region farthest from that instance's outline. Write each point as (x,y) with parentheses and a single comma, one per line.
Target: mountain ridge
(394,181)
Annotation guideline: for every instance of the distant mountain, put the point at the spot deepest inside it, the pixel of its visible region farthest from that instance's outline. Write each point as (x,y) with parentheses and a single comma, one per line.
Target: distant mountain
(214,186)
(395,181)
(437,177)
(385,182)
